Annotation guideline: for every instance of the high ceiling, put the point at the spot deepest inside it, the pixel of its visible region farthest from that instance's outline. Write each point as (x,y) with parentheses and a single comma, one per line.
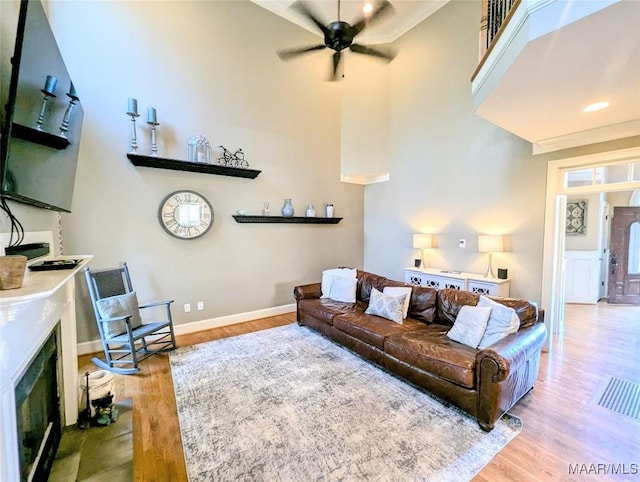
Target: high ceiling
(407,14)
(539,94)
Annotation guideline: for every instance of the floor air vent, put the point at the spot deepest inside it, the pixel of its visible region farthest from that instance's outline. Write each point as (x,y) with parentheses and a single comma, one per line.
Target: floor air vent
(622,396)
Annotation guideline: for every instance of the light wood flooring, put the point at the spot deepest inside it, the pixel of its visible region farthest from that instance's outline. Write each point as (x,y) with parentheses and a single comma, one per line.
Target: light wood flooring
(564,428)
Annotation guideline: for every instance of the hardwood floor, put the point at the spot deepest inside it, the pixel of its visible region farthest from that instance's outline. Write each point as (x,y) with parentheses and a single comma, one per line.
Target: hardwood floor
(564,428)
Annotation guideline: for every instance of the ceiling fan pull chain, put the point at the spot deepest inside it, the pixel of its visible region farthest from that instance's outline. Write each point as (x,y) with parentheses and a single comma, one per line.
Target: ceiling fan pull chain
(338,10)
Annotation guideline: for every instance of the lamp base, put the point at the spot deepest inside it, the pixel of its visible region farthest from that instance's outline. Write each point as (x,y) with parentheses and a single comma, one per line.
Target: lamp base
(489,273)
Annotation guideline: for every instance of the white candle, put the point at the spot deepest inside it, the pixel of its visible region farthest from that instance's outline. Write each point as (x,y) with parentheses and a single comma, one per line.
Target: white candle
(152,117)
(133,106)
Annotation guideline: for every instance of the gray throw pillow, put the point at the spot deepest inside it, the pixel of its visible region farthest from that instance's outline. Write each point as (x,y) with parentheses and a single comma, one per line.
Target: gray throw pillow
(120,305)
(503,321)
(470,325)
(386,306)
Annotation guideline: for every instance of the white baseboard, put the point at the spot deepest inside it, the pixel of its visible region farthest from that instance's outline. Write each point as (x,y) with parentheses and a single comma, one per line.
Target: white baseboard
(95,346)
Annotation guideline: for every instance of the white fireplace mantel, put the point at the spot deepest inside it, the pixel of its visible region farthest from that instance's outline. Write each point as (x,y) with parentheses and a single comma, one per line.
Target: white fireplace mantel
(28,316)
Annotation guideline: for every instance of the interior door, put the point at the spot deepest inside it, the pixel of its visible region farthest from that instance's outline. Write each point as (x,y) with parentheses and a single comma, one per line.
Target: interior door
(624,262)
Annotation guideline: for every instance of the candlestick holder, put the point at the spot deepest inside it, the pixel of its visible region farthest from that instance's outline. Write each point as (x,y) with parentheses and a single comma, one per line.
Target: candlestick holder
(154,146)
(134,138)
(43,109)
(64,127)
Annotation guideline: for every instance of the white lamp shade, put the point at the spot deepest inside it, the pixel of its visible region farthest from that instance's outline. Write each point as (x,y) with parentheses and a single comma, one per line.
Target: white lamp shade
(490,243)
(422,241)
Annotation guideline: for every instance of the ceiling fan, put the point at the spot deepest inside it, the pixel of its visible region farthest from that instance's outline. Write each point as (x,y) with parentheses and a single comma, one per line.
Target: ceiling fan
(339,35)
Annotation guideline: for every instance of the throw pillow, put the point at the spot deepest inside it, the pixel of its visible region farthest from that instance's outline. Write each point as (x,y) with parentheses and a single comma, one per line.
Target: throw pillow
(502,322)
(120,305)
(470,325)
(329,274)
(397,291)
(386,306)
(343,289)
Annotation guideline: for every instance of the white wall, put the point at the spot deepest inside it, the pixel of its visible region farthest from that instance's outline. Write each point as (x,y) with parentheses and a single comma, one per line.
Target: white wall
(452,173)
(209,68)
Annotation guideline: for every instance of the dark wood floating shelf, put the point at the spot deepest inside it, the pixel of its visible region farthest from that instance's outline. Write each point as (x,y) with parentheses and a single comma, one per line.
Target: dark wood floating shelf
(281,219)
(39,137)
(179,165)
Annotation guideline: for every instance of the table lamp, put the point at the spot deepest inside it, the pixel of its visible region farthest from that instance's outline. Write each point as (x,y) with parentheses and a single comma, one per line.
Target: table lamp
(490,244)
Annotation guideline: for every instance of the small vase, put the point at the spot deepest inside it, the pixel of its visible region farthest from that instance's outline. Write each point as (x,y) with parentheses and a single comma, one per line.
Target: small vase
(287,209)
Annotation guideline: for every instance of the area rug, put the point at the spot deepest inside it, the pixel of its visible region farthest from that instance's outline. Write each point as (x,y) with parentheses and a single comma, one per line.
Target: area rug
(286,404)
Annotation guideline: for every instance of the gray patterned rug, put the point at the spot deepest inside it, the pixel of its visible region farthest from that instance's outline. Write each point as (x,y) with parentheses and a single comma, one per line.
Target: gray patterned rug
(286,404)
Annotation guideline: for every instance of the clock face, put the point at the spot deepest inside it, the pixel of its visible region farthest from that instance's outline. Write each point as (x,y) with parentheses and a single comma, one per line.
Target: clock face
(185,214)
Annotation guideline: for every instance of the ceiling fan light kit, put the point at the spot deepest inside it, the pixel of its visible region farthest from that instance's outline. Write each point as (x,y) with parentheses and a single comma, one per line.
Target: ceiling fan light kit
(339,35)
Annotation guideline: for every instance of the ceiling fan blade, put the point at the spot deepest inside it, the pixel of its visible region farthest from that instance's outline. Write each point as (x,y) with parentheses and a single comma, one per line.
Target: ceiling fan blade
(337,57)
(304,9)
(288,54)
(385,53)
(384,8)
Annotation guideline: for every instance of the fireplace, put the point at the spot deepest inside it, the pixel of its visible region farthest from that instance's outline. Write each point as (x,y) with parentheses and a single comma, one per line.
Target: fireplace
(38,418)
(38,351)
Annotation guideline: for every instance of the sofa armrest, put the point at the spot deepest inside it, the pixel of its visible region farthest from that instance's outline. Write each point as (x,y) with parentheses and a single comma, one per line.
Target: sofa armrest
(510,352)
(302,292)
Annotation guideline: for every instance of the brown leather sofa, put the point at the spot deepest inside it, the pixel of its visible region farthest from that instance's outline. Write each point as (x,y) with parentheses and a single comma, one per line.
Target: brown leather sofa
(484,383)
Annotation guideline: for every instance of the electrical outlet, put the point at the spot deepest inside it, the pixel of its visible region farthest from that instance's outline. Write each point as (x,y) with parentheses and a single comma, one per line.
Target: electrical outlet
(462,243)
(200,305)
(187,307)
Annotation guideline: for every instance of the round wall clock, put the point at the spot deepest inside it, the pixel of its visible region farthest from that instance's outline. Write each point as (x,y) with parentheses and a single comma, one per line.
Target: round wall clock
(185,214)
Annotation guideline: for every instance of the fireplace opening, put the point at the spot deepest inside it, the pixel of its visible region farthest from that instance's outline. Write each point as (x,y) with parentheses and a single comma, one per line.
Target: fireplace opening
(38,413)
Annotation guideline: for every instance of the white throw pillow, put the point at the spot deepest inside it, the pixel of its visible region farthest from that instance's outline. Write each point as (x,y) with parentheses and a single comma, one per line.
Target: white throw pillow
(397,291)
(502,322)
(386,306)
(120,305)
(329,274)
(470,325)
(343,289)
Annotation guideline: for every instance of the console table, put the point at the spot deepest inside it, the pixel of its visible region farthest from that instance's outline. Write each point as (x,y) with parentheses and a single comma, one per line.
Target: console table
(459,280)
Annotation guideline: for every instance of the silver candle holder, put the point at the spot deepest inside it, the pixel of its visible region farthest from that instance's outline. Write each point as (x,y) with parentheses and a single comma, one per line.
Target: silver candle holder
(43,109)
(64,127)
(134,137)
(49,91)
(154,145)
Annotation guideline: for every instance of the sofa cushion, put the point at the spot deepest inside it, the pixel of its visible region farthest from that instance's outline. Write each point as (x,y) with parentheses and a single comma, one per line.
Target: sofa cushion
(451,300)
(386,306)
(325,308)
(328,275)
(373,329)
(503,321)
(343,289)
(470,325)
(527,311)
(422,306)
(397,291)
(430,350)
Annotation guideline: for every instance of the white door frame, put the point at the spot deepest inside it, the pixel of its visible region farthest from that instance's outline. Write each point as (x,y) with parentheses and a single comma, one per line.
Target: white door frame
(552,298)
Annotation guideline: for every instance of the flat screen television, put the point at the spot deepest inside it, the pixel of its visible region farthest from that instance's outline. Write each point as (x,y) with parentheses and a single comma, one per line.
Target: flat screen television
(38,153)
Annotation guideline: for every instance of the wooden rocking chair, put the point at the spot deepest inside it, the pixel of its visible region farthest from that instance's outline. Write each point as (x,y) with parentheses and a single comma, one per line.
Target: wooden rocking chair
(125,339)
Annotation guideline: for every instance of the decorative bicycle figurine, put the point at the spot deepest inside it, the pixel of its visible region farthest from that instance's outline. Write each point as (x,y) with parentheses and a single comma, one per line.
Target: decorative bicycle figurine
(235,159)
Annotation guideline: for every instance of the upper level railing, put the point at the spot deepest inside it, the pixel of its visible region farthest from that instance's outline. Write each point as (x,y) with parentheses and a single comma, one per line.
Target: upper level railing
(495,15)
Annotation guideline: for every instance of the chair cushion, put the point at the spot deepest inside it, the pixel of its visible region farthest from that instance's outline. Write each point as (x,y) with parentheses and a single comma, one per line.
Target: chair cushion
(430,350)
(120,305)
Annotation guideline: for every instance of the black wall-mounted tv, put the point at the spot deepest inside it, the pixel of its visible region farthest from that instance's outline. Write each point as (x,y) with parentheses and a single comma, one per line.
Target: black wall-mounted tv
(38,163)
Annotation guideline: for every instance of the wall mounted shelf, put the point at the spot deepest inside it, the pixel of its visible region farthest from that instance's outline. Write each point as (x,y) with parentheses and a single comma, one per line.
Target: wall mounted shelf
(281,219)
(39,137)
(179,165)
